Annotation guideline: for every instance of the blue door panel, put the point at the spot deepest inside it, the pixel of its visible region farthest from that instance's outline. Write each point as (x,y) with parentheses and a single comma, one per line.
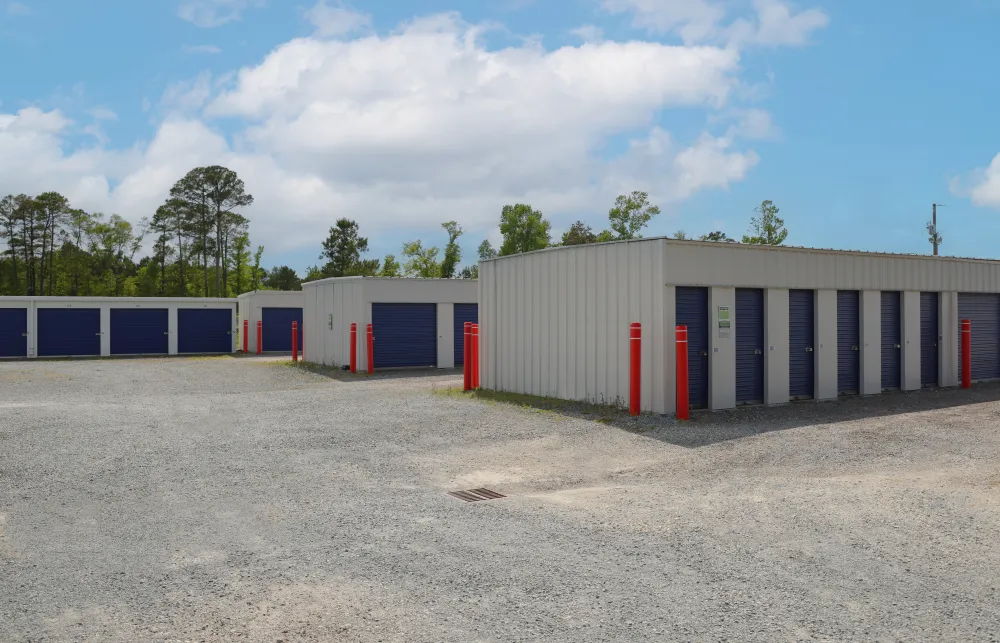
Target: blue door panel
(405,335)
(749,321)
(139,331)
(204,330)
(463,313)
(801,342)
(276,329)
(983,310)
(13,332)
(848,342)
(66,332)
(892,340)
(692,311)
(928,338)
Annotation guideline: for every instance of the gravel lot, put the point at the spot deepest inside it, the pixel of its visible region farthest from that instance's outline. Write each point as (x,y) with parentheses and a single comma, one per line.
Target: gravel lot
(242,499)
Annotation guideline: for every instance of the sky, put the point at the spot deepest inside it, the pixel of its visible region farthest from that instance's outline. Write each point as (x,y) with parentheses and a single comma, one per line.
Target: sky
(852,116)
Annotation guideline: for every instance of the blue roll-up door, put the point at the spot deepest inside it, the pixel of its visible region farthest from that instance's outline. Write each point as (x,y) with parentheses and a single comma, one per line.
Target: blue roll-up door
(69,332)
(405,335)
(692,311)
(204,330)
(13,332)
(139,331)
(929,338)
(801,334)
(463,313)
(983,310)
(848,342)
(892,340)
(749,321)
(276,329)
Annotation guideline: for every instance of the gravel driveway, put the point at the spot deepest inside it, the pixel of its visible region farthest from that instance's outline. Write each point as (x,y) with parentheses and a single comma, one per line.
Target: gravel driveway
(242,499)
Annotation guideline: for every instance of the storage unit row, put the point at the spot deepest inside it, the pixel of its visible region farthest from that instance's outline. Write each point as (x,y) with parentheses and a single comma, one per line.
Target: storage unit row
(765,325)
(276,310)
(91,327)
(416,322)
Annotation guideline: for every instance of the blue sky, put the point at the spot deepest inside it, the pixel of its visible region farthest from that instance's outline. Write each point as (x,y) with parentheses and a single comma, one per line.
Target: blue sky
(852,116)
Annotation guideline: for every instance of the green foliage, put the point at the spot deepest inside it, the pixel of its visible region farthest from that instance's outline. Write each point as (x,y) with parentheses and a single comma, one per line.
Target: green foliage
(452,252)
(680,234)
(766,228)
(631,214)
(364,268)
(342,249)
(486,250)
(470,272)
(390,267)
(524,229)
(282,278)
(717,236)
(578,234)
(313,273)
(421,262)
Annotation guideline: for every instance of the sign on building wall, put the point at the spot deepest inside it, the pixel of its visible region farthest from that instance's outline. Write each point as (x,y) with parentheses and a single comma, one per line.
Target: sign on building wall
(724,322)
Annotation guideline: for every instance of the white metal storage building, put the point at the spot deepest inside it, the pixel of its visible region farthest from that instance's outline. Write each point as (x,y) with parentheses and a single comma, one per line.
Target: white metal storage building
(276,309)
(417,322)
(803,323)
(95,326)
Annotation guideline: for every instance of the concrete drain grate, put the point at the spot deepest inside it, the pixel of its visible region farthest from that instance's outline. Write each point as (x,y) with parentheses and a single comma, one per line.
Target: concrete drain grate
(475,495)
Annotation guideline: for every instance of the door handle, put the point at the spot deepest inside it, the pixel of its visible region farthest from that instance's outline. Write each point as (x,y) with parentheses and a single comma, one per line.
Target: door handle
(935,343)
(24,334)
(757,351)
(703,353)
(166,333)
(854,348)
(809,349)
(897,345)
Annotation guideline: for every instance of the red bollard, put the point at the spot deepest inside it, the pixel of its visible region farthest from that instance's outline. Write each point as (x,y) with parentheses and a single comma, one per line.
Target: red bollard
(966,353)
(371,350)
(260,336)
(295,341)
(635,368)
(246,336)
(354,348)
(467,362)
(475,357)
(683,405)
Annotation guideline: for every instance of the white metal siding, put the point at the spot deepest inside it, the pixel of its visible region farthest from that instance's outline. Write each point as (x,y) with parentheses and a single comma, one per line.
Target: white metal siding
(556,323)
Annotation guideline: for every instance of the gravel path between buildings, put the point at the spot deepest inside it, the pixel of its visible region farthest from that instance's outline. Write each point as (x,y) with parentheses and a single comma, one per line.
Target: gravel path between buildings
(232,499)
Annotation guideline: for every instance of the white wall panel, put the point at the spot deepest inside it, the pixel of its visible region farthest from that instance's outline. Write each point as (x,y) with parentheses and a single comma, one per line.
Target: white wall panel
(871,342)
(776,368)
(826,344)
(910,305)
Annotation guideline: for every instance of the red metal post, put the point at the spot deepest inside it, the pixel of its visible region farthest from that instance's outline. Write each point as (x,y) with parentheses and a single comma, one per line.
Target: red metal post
(371,350)
(467,359)
(354,348)
(475,356)
(683,406)
(966,353)
(246,336)
(635,371)
(260,336)
(295,341)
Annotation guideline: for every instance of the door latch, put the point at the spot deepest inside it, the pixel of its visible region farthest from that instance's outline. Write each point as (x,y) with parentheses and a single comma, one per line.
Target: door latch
(24,334)
(703,353)
(809,349)
(897,345)
(757,351)
(854,348)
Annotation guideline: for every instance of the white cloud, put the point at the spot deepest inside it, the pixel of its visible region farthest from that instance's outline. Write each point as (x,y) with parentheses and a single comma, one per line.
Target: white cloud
(589,33)
(337,20)
(982,186)
(201,49)
(409,129)
(774,22)
(214,13)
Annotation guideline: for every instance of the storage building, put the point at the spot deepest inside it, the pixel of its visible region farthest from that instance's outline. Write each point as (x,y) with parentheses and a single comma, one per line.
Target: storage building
(765,324)
(416,322)
(96,326)
(276,310)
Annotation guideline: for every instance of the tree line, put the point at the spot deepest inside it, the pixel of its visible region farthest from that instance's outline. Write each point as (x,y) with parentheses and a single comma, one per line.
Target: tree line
(200,244)
(523,229)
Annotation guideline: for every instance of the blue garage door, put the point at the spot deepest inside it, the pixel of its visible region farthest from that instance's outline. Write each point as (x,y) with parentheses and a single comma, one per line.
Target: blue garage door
(928,339)
(204,330)
(692,311)
(892,339)
(801,329)
(463,313)
(13,332)
(983,309)
(139,331)
(405,335)
(66,332)
(749,322)
(277,329)
(848,342)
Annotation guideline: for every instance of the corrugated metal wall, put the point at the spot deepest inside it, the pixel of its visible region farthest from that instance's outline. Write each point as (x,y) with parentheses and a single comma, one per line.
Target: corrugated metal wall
(556,323)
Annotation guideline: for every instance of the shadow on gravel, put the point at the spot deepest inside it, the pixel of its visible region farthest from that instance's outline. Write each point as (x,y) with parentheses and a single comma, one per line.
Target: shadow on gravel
(706,428)
(341,375)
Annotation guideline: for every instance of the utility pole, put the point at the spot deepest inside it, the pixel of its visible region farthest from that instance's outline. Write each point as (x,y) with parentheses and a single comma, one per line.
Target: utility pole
(935,238)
